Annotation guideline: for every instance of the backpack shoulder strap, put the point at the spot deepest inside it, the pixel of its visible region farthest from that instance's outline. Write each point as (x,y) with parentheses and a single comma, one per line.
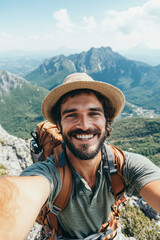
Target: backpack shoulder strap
(63,196)
(66,178)
(113,165)
(116,160)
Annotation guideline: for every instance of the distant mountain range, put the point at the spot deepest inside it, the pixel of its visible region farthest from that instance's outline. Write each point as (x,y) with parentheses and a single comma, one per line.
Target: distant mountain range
(20,65)
(139,82)
(23,62)
(143,53)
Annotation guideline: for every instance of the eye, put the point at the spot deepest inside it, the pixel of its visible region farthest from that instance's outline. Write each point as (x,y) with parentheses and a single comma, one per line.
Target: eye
(94,114)
(71,115)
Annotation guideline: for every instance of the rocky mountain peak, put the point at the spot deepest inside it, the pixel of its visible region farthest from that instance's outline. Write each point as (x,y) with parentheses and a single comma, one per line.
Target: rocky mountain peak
(10,81)
(55,64)
(96,59)
(138,81)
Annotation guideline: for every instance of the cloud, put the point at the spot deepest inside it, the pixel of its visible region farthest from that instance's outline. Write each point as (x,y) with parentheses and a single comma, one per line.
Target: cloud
(141,24)
(124,21)
(49,36)
(89,23)
(152,8)
(118,29)
(33,37)
(63,20)
(5,40)
(5,35)
(134,19)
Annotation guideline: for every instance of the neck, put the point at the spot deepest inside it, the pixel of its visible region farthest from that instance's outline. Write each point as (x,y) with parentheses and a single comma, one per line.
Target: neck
(86,168)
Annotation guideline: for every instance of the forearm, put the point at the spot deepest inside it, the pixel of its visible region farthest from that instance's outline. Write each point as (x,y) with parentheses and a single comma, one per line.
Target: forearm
(151,194)
(20,201)
(8,206)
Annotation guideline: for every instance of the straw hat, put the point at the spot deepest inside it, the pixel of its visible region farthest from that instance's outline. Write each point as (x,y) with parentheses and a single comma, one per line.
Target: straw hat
(79,81)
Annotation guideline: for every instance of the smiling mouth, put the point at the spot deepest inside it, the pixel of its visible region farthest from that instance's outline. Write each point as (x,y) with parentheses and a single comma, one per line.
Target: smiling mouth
(84,136)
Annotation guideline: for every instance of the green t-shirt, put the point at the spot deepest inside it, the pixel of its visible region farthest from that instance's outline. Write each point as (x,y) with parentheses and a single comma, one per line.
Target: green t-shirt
(86,210)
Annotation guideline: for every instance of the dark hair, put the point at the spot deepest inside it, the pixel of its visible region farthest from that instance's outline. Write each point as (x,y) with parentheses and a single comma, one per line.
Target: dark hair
(109,111)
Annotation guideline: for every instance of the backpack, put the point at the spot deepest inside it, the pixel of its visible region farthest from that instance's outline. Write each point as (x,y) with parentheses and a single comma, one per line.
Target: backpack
(46,142)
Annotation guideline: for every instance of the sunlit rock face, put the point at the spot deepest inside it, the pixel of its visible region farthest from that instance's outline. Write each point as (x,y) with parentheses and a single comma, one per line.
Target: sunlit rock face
(14,153)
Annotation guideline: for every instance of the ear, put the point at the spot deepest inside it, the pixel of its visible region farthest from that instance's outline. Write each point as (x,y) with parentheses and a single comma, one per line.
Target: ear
(59,127)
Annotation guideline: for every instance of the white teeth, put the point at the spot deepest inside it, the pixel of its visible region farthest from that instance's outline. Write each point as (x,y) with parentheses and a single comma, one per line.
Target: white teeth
(84,137)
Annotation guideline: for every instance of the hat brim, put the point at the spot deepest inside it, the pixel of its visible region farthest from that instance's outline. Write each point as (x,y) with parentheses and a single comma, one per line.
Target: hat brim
(107,90)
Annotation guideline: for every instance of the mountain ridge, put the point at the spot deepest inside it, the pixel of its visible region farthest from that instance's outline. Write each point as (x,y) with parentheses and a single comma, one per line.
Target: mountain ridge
(20,105)
(139,81)
(10,81)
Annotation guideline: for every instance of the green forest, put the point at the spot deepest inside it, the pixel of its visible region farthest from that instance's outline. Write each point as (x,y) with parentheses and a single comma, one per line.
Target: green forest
(136,224)
(140,135)
(21,110)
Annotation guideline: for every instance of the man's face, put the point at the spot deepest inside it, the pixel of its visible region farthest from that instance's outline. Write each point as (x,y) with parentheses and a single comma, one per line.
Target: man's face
(83,125)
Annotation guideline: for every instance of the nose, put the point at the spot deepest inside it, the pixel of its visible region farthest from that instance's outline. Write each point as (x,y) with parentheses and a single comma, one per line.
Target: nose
(83,122)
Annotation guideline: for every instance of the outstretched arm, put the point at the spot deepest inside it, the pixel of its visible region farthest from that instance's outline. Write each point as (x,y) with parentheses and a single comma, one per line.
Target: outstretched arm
(21,199)
(151,194)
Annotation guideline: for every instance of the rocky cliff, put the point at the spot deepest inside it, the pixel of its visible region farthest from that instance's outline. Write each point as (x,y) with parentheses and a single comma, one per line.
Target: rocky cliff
(10,81)
(14,153)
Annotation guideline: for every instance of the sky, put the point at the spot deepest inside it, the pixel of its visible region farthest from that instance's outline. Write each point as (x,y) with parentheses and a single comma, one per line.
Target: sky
(34,25)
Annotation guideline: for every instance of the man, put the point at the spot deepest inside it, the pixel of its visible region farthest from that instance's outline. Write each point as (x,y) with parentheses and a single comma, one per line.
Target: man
(83,110)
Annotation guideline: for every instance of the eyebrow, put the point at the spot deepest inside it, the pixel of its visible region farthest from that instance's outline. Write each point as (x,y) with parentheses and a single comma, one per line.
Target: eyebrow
(68,111)
(90,109)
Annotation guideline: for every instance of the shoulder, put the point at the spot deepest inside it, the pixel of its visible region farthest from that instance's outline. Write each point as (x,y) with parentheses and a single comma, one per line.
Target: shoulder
(46,168)
(135,160)
(139,170)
